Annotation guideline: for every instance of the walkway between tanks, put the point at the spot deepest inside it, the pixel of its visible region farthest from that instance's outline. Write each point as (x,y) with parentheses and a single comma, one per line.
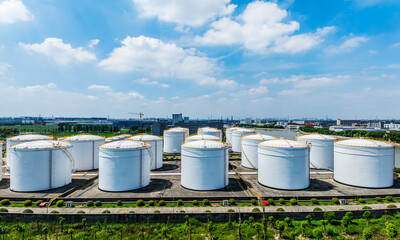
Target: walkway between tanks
(219,209)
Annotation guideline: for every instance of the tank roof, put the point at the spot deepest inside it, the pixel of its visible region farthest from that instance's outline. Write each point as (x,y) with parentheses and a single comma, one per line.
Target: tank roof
(27,137)
(42,144)
(205,144)
(209,129)
(243,130)
(203,137)
(124,144)
(84,137)
(177,129)
(259,137)
(283,143)
(361,142)
(316,136)
(145,137)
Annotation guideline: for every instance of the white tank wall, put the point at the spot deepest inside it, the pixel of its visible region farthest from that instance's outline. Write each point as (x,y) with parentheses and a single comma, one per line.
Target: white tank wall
(228,135)
(86,154)
(198,137)
(370,167)
(21,139)
(173,141)
(237,139)
(212,132)
(124,169)
(249,152)
(204,169)
(156,150)
(31,169)
(397,156)
(284,168)
(321,153)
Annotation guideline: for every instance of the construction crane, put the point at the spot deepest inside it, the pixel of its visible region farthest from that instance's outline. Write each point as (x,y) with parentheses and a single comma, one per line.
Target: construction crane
(140,117)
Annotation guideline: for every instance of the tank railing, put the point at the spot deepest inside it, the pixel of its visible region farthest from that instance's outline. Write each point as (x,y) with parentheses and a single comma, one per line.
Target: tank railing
(148,147)
(248,159)
(70,157)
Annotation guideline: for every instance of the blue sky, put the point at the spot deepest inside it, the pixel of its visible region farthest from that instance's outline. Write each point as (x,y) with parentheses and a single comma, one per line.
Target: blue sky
(202,58)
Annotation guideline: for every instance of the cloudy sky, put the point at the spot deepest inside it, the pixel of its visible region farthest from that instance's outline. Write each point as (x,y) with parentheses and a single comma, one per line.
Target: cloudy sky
(200,57)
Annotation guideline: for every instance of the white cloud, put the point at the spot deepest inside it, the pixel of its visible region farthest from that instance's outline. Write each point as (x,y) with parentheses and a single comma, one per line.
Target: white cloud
(372,52)
(395,66)
(395,44)
(255,91)
(158,59)
(319,81)
(225,83)
(93,43)
(266,99)
(146,81)
(61,53)
(100,88)
(14,10)
(348,45)
(39,87)
(188,12)
(4,67)
(260,28)
(293,92)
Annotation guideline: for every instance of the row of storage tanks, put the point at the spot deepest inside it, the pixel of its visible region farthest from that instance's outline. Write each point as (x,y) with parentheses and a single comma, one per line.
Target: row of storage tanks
(125,164)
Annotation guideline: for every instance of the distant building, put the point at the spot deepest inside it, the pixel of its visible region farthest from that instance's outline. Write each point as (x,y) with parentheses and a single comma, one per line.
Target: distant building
(176,118)
(341,122)
(392,126)
(159,127)
(378,125)
(186,119)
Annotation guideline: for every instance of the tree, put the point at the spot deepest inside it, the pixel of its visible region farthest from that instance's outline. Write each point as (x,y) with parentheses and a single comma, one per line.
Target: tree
(303,227)
(84,221)
(3,231)
(391,230)
(210,229)
(330,216)
(324,223)
(288,221)
(71,232)
(367,216)
(280,226)
(367,233)
(61,221)
(309,218)
(317,232)
(21,229)
(45,230)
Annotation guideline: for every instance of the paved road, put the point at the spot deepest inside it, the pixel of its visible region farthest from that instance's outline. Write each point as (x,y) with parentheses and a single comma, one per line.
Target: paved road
(219,209)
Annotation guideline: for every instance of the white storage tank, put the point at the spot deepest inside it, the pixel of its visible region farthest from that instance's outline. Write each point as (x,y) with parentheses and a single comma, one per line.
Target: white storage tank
(124,165)
(321,150)
(397,155)
(210,131)
(283,164)
(364,163)
(173,139)
(40,165)
(237,138)
(156,148)
(21,139)
(117,138)
(198,137)
(249,148)
(228,135)
(85,150)
(204,165)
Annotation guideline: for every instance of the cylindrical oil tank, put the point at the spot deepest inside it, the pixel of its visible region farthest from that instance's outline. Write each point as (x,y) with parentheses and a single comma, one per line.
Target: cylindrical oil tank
(40,165)
(284,164)
(228,135)
(173,139)
(321,150)
(85,150)
(117,138)
(21,139)
(249,148)
(1,161)
(364,163)
(210,131)
(156,148)
(198,137)
(237,138)
(397,155)
(204,165)
(124,165)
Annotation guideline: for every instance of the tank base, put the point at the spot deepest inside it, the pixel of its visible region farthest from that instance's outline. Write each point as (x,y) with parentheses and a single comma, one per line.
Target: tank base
(38,191)
(199,190)
(299,189)
(361,186)
(124,190)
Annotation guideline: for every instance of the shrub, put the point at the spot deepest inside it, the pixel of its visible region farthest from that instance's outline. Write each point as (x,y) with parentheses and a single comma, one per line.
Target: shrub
(362,200)
(335,201)
(206,202)
(80,212)
(54,212)
(161,203)
(255,210)
(60,203)
(119,203)
(314,201)
(330,216)
(230,210)
(131,211)
(253,202)
(280,210)
(3,210)
(195,202)
(389,198)
(38,202)
(89,203)
(27,211)
(157,211)
(391,206)
(98,203)
(366,207)
(232,202)
(140,203)
(5,202)
(317,209)
(106,212)
(293,201)
(282,201)
(180,202)
(27,203)
(182,211)
(207,211)
(151,203)
(378,199)
(271,201)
